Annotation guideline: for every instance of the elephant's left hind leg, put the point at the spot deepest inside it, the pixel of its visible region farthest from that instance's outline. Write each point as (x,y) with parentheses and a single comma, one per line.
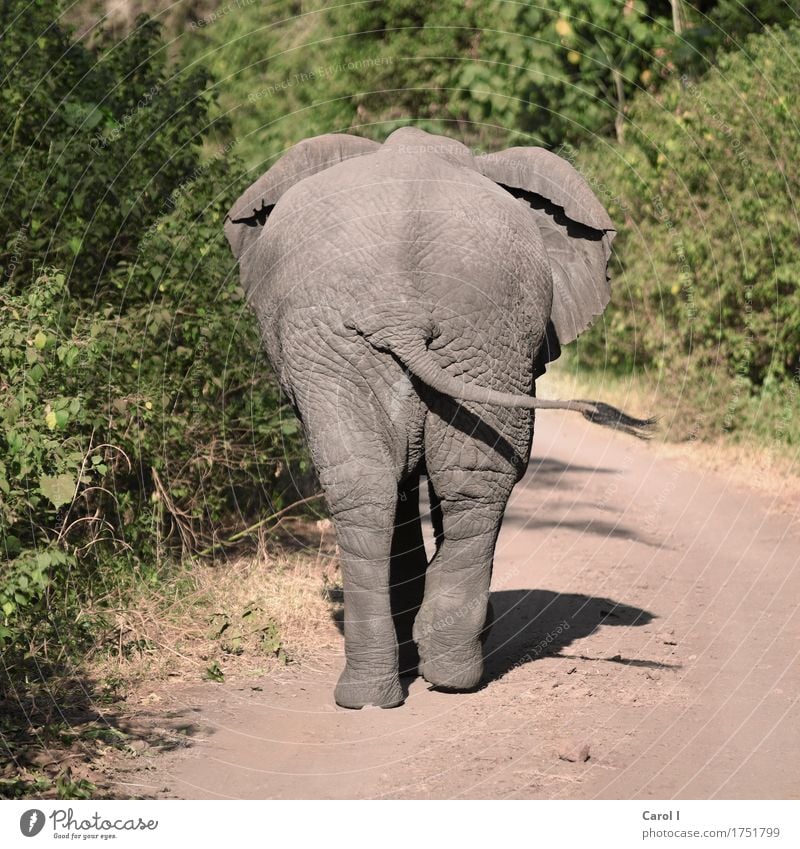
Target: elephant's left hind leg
(361,495)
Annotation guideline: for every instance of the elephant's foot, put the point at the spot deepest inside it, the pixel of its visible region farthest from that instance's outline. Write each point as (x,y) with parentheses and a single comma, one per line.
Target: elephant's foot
(457,668)
(356,691)
(448,658)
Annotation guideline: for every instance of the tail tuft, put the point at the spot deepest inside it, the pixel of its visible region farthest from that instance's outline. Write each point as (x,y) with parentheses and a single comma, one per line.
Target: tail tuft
(608,416)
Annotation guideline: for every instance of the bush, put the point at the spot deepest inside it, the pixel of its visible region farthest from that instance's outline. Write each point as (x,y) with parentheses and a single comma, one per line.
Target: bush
(481,71)
(138,419)
(707,285)
(492,73)
(94,143)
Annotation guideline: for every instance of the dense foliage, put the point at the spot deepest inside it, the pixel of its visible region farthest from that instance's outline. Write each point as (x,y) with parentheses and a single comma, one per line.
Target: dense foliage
(94,144)
(137,415)
(481,70)
(491,72)
(705,191)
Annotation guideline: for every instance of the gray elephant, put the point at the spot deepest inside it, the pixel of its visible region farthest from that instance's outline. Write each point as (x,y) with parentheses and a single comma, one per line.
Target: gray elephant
(409,293)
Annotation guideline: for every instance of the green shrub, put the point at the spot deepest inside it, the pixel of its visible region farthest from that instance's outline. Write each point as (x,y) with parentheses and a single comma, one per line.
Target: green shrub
(493,73)
(707,283)
(47,456)
(94,143)
(139,420)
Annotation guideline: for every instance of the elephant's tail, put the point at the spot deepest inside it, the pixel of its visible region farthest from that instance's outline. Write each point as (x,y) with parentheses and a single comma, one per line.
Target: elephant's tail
(420,363)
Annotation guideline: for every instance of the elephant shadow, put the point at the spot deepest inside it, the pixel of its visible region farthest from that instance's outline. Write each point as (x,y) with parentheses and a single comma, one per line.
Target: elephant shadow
(530,624)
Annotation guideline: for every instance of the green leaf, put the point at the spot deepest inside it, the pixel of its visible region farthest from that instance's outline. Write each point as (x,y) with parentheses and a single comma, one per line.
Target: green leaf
(58,489)
(271,639)
(67,354)
(214,673)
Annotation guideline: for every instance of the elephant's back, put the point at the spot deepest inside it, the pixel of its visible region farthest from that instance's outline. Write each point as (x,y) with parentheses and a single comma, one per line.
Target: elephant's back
(392,224)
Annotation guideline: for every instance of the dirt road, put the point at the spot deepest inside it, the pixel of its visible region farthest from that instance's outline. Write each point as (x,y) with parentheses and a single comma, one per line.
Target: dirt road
(645,609)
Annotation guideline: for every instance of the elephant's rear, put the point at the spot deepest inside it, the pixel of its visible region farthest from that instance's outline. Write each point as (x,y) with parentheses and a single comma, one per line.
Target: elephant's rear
(397,248)
(398,243)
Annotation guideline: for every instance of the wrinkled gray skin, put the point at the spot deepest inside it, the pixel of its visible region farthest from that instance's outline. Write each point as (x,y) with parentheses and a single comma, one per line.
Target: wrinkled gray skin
(405,292)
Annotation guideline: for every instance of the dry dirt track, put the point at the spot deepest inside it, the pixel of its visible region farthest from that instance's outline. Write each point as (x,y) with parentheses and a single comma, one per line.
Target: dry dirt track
(645,608)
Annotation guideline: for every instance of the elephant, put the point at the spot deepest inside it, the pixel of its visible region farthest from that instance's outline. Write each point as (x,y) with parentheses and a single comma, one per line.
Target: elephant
(409,293)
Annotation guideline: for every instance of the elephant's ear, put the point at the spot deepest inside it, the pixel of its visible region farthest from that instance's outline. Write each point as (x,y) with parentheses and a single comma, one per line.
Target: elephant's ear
(249,214)
(575,228)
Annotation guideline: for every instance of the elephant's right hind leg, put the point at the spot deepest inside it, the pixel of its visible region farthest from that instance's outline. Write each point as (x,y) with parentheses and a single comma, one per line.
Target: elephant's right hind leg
(450,625)
(472,484)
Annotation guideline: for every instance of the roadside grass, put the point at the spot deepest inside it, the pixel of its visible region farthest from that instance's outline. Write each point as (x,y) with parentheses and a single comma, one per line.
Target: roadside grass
(63,727)
(752,440)
(230,618)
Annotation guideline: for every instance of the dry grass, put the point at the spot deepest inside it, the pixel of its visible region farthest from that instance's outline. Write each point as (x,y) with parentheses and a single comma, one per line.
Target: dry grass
(235,618)
(749,459)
